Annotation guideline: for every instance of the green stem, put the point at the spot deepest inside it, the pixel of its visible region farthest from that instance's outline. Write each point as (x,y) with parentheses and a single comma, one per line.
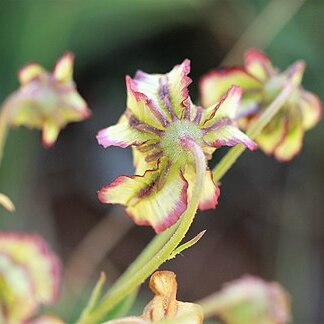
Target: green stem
(127,283)
(151,249)
(3,128)
(256,128)
(95,295)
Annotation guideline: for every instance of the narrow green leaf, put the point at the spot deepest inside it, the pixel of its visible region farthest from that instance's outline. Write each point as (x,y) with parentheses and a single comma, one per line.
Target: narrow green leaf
(186,245)
(95,295)
(123,307)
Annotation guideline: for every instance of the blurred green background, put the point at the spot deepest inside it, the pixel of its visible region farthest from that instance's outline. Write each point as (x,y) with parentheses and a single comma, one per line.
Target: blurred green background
(269,221)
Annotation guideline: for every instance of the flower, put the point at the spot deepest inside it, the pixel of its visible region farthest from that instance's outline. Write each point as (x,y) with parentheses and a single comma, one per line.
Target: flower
(164,305)
(29,276)
(161,123)
(261,83)
(250,300)
(47,101)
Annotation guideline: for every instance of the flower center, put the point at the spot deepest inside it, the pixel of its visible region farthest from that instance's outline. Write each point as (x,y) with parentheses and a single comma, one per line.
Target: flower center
(174,136)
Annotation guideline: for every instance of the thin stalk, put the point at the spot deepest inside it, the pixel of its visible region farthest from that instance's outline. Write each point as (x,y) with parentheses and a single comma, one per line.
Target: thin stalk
(95,295)
(150,250)
(3,128)
(259,37)
(118,292)
(256,128)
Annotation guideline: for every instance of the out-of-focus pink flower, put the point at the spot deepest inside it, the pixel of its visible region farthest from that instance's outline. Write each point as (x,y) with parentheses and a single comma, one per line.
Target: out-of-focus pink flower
(262,82)
(29,276)
(250,300)
(47,101)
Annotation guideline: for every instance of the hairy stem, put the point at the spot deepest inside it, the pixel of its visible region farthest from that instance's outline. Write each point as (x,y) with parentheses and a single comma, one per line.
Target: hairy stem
(256,128)
(150,263)
(151,249)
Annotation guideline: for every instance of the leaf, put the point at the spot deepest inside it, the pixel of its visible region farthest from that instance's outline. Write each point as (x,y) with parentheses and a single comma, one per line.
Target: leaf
(95,295)
(186,245)
(122,308)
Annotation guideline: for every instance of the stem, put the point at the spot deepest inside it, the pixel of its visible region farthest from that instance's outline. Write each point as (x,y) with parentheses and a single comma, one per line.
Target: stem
(127,283)
(151,249)
(95,295)
(3,128)
(259,37)
(256,128)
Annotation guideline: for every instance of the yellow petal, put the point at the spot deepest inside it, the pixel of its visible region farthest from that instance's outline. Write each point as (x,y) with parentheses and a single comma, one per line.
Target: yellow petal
(178,82)
(31,72)
(293,141)
(311,108)
(214,85)
(258,64)
(273,134)
(142,107)
(71,107)
(168,91)
(123,135)
(157,198)
(139,161)
(63,70)
(228,135)
(210,193)
(227,107)
(25,112)
(50,133)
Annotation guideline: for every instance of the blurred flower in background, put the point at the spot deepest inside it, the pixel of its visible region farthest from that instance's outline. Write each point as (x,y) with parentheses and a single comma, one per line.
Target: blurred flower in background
(250,300)
(29,276)
(46,101)
(262,83)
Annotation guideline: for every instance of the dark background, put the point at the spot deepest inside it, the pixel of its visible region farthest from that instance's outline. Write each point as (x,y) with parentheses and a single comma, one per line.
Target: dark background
(269,221)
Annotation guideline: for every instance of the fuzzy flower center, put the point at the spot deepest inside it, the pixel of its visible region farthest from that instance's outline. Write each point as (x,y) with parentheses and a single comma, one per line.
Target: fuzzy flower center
(173,137)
